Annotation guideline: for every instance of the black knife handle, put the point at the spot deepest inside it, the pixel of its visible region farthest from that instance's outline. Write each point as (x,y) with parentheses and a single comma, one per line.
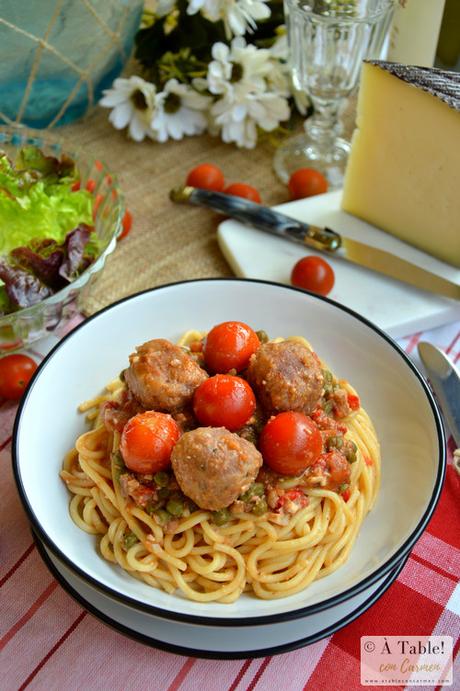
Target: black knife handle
(260,217)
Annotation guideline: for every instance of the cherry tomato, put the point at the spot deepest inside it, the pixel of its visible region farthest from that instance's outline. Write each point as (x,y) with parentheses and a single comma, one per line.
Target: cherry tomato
(15,373)
(127,223)
(75,186)
(306,182)
(147,441)
(313,273)
(224,401)
(290,443)
(240,189)
(207,177)
(229,346)
(91,185)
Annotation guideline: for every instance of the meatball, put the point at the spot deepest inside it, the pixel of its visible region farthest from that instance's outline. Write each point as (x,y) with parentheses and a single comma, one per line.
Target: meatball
(214,466)
(286,376)
(162,376)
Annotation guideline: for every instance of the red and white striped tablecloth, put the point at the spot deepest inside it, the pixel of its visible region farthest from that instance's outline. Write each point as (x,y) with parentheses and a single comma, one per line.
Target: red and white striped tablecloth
(47,641)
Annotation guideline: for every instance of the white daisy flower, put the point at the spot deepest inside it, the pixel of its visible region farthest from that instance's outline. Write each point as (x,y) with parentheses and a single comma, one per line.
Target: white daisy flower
(238,68)
(239,16)
(179,110)
(238,118)
(211,9)
(280,48)
(133,103)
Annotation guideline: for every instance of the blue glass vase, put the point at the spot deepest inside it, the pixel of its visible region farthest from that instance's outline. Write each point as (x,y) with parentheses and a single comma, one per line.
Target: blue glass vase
(56,56)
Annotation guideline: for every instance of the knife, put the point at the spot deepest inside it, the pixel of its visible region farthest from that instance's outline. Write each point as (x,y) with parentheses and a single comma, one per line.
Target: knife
(322,239)
(445,381)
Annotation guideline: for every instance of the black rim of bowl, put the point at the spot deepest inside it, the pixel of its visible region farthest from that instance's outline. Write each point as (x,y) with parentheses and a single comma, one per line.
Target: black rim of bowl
(216,654)
(238,621)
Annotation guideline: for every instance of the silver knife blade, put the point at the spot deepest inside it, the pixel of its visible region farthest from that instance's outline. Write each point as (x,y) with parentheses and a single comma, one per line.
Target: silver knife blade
(322,239)
(445,381)
(395,267)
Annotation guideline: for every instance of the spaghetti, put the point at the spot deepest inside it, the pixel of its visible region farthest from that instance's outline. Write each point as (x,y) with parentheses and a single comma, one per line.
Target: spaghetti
(272,555)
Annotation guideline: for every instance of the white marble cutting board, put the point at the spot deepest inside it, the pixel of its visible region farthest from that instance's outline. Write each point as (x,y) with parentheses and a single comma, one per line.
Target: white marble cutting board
(394,306)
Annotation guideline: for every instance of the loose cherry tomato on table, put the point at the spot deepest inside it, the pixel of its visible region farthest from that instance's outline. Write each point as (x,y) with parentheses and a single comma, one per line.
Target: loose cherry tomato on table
(290,442)
(15,373)
(240,189)
(207,177)
(313,273)
(147,441)
(224,401)
(229,346)
(306,182)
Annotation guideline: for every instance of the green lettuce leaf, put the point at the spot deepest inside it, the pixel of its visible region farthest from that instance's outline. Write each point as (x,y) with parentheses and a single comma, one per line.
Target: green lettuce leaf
(40,212)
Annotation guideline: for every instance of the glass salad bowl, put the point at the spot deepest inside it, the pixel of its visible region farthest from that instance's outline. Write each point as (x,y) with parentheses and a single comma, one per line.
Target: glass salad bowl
(25,325)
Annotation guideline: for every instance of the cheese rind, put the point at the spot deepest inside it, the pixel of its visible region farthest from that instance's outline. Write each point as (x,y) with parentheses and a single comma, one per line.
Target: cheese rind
(403,173)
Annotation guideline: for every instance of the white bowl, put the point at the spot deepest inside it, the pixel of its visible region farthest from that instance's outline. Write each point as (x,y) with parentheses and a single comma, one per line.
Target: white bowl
(391,389)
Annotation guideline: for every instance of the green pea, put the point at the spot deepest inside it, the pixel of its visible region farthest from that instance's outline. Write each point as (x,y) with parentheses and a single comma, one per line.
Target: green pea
(129,539)
(175,507)
(163,493)
(327,376)
(260,507)
(153,507)
(351,453)
(262,336)
(328,406)
(161,479)
(255,490)
(221,516)
(334,443)
(328,382)
(163,516)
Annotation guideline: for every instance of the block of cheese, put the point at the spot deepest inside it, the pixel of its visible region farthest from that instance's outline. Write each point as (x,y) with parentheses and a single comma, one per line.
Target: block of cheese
(403,173)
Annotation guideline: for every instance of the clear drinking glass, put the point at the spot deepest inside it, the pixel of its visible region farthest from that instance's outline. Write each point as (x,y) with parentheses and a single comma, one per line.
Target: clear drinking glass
(328,39)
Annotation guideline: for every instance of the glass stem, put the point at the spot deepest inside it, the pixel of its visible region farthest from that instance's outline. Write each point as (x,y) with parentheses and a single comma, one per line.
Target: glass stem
(324,126)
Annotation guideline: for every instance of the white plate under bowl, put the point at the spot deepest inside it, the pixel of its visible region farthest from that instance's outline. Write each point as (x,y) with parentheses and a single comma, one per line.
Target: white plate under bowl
(215,642)
(391,389)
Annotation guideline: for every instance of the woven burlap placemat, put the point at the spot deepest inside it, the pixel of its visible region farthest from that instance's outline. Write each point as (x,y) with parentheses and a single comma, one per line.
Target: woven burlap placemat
(168,242)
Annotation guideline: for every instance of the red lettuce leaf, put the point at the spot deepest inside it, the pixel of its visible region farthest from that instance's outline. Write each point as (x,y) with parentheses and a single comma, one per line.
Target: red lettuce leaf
(34,273)
(23,289)
(75,244)
(46,269)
